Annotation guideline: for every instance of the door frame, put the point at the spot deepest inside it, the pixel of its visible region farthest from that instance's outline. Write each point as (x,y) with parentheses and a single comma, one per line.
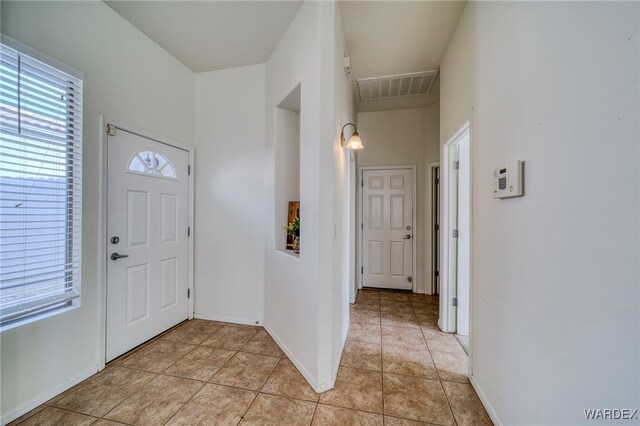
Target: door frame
(416,235)
(434,243)
(103,239)
(447,317)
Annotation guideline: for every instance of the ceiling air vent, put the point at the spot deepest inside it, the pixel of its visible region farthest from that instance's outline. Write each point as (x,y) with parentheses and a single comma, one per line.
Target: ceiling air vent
(397,86)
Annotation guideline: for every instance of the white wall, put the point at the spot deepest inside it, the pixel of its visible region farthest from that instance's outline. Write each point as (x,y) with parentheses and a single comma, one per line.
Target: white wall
(344,187)
(299,292)
(230,194)
(400,137)
(456,84)
(555,282)
(291,284)
(127,77)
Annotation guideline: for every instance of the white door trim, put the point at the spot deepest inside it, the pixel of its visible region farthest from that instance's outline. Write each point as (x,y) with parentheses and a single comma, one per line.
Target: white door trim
(103,238)
(446,320)
(416,231)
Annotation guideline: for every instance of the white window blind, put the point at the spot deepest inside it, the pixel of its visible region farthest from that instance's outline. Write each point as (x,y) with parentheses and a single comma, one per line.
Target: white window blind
(40,185)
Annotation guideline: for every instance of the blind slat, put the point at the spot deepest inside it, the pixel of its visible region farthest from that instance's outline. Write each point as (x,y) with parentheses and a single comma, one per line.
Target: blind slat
(40,186)
(10,135)
(16,312)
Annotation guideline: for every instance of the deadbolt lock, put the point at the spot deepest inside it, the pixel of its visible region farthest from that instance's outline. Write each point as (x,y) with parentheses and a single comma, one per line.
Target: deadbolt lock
(115,240)
(408,228)
(410,279)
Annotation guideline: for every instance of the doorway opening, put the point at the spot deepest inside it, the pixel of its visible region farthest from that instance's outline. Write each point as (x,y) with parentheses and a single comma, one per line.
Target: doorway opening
(435,229)
(456,236)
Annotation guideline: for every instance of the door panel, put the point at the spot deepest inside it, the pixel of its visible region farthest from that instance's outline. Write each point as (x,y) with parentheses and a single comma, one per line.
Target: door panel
(137,303)
(397,212)
(376,203)
(147,210)
(169,221)
(387,228)
(137,218)
(397,259)
(376,256)
(169,282)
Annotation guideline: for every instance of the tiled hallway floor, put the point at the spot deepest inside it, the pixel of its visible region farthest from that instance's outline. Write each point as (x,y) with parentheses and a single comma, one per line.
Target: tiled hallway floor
(397,369)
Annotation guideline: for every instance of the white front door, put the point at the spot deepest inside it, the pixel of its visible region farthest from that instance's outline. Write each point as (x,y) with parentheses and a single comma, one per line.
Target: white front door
(387,213)
(147,222)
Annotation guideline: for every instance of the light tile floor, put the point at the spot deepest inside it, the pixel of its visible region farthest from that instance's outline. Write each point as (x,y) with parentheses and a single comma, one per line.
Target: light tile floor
(397,369)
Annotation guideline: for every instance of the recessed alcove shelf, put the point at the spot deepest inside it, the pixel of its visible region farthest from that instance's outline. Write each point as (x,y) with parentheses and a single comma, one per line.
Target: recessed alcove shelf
(289,253)
(287,164)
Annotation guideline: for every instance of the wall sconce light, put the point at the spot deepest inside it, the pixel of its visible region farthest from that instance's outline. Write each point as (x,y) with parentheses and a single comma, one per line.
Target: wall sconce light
(355,142)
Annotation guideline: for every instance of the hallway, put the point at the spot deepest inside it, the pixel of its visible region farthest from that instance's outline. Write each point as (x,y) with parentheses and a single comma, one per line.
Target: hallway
(397,369)
(398,362)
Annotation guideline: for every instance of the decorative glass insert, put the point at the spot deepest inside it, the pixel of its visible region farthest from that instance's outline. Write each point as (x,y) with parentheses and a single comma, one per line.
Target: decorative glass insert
(152,163)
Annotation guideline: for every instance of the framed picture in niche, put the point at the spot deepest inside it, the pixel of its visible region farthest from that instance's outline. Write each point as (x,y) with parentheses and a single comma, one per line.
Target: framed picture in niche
(292,212)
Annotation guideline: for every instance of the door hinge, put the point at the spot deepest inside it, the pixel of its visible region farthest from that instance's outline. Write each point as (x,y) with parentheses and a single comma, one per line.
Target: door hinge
(437,181)
(455,233)
(188,293)
(362,182)
(437,227)
(436,273)
(189,169)
(456,165)
(362,269)
(110,129)
(188,231)
(454,301)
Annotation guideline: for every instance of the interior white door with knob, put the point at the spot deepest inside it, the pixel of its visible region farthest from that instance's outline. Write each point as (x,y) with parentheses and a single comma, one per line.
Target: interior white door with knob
(388,221)
(147,240)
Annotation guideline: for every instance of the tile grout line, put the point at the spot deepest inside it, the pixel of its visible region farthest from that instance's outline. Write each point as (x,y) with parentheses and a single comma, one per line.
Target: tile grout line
(185,403)
(439,378)
(315,410)
(158,338)
(61,409)
(382,366)
(258,393)
(204,383)
(430,355)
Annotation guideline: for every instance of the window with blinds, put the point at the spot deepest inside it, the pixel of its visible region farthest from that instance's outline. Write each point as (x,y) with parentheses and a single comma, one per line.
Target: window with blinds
(40,183)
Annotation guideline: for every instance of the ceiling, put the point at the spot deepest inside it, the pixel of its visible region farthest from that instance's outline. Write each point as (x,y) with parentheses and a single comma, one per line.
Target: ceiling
(212,35)
(383,37)
(395,37)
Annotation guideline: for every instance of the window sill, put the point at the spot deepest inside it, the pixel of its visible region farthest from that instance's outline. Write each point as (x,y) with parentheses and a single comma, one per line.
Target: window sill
(37,317)
(289,253)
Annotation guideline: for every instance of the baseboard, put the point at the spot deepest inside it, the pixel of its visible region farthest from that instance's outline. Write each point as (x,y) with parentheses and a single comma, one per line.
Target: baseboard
(223,318)
(308,377)
(485,401)
(25,408)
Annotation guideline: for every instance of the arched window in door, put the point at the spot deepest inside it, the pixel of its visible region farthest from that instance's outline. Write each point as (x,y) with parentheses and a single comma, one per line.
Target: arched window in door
(153,164)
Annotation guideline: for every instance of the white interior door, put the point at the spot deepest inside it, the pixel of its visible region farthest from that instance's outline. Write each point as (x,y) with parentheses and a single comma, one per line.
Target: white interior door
(387,213)
(147,223)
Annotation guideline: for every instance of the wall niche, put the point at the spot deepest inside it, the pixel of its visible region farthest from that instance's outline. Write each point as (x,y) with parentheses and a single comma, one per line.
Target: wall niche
(287,167)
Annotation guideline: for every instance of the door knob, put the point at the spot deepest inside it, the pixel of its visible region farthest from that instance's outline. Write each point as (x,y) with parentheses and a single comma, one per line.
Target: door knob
(406,237)
(116,256)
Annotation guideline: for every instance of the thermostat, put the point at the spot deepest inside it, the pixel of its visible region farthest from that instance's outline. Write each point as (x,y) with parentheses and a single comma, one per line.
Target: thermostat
(507,180)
